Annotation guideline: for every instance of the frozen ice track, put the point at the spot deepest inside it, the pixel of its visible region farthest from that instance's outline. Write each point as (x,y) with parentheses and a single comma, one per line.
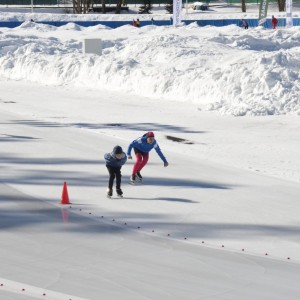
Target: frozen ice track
(44,253)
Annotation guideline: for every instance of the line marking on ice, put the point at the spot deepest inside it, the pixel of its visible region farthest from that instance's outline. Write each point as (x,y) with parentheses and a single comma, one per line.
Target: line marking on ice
(33,291)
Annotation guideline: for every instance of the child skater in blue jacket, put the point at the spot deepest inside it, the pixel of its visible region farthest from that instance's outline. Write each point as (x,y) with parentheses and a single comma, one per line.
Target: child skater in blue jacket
(142,146)
(114,162)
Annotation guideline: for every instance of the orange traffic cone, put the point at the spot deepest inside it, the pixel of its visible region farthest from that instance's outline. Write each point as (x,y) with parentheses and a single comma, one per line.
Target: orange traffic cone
(65,196)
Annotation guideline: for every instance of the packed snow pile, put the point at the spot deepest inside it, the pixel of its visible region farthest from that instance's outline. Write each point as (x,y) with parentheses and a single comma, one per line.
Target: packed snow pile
(228,69)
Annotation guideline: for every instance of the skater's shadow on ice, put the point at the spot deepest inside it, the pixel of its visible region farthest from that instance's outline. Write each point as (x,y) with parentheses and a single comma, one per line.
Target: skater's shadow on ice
(119,126)
(137,127)
(171,199)
(184,183)
(16,138)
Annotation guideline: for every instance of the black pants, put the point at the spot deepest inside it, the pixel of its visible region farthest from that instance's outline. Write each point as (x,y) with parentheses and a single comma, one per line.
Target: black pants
(114,173)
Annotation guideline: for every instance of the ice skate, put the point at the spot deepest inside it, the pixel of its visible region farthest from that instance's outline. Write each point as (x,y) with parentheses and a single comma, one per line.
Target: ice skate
(133,179)
(120,193)
(139,176)
(109,193)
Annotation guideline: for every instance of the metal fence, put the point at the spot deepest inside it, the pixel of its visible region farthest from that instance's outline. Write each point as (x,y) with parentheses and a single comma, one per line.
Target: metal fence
(255,1)
(68,3)
(36,2)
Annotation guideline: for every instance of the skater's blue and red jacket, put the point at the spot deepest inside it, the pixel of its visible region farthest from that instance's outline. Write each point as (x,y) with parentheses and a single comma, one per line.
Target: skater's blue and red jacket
(112,161)
(142,145)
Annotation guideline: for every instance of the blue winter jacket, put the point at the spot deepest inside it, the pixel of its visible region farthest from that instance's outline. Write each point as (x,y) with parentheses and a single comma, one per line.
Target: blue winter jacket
(142,145)
(112,161)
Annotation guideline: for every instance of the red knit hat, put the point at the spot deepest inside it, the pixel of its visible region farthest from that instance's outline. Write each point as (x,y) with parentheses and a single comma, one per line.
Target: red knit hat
(150,134)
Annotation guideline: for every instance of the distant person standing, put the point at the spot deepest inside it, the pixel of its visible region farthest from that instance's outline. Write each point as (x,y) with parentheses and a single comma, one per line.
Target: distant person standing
(134,23)
(274,22)
(142,146)
(245,23)
(138,23)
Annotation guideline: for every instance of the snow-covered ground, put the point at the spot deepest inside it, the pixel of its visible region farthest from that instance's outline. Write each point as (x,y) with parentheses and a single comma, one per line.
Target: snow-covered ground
(221,222)
(228,69)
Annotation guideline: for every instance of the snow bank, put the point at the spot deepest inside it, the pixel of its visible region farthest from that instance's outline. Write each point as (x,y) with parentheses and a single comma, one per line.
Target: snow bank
(229,69)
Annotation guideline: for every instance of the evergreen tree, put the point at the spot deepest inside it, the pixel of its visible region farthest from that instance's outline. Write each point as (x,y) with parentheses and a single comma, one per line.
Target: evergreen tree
(103,6)
(281,5)
(119,4)
(169,6)
(243,5)
(146,7)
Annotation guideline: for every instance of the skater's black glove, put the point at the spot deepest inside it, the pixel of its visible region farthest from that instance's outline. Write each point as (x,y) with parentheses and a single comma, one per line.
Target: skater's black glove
(166,164)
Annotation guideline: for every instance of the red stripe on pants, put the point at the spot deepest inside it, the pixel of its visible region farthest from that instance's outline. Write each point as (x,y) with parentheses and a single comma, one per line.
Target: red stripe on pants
(141,161)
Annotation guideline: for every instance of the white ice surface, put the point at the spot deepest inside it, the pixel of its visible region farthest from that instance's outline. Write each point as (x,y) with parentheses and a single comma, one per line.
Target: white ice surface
(52,253)
(86,250)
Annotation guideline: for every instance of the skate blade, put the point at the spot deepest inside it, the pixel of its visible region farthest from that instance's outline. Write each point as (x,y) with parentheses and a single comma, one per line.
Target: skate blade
(137,182)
